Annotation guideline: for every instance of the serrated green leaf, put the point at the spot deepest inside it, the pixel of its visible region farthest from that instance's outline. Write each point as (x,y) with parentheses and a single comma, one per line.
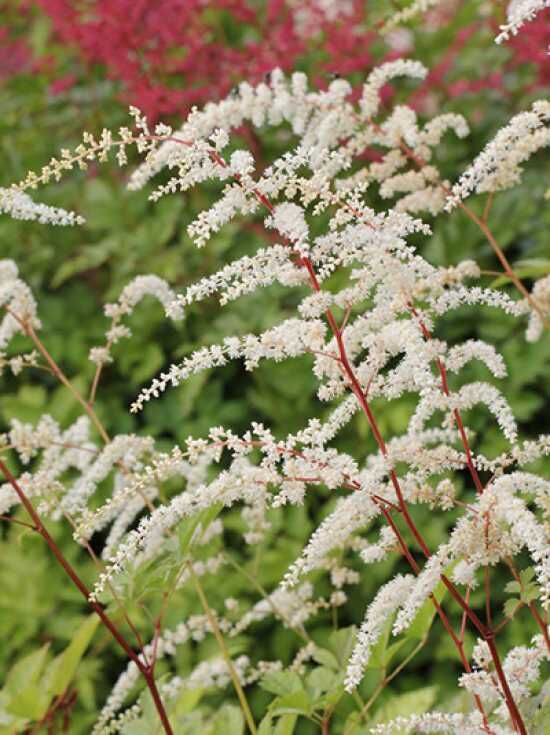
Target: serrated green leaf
(530,592)
(527,575)
(514,588)
(326,658)
(297,703)
(321,680)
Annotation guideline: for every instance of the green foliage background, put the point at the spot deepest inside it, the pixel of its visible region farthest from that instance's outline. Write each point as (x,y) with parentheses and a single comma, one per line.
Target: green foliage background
(74,271)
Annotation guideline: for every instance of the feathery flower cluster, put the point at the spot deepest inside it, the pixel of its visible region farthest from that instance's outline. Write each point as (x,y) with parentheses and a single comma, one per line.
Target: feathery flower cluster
(498,166)
(367,334)
(17,301)
(20,206)
(518,13)
(131,295)
(541,295)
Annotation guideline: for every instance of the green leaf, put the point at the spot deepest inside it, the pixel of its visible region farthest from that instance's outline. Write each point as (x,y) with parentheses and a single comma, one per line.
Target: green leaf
(266,725)
(526,575)
(285,725)
(341,643)
(321,680)
(411,703)
(63,668)
(514,588)
(91,256)
(377,658)
(528,268)
(295,703)
(281,682)
(511,607)
(420,626)
(31,702)
(529,590)
(190,525)
(187,701)
(26,672)
(229,721)
(324,657)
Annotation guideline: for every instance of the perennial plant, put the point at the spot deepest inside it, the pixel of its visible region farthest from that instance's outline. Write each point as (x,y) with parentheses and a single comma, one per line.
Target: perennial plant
(345,237)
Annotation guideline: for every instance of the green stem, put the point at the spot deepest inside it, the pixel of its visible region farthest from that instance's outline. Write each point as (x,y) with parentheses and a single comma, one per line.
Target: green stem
(384,682)
(225,653)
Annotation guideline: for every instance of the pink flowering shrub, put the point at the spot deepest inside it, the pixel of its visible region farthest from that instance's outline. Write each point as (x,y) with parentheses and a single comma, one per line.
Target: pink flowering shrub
(15,55)
(173,54)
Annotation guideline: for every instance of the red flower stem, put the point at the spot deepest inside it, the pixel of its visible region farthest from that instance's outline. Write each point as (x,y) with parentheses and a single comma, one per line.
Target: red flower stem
(535,613)
(96,607)
(474,474)
(484,631)
(459,642)
(456,413)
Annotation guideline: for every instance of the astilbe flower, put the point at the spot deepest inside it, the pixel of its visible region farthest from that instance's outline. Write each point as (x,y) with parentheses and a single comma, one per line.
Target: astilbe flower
(369,338)
(20,206)
(518,13)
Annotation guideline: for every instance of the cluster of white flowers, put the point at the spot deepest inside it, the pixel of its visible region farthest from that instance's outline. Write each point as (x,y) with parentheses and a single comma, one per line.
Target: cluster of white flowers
(445,722)
(20,206)
(130,297)
(194,629)
(367,334)
(521,665)
(17,301)
(379,611)
(498,166)
(518,13)
(541,295)
(417,7)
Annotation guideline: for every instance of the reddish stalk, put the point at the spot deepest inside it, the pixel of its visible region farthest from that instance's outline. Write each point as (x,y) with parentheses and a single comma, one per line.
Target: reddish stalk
(534,612)
(459,642)
(456,413)
(477,482)
(144,669)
